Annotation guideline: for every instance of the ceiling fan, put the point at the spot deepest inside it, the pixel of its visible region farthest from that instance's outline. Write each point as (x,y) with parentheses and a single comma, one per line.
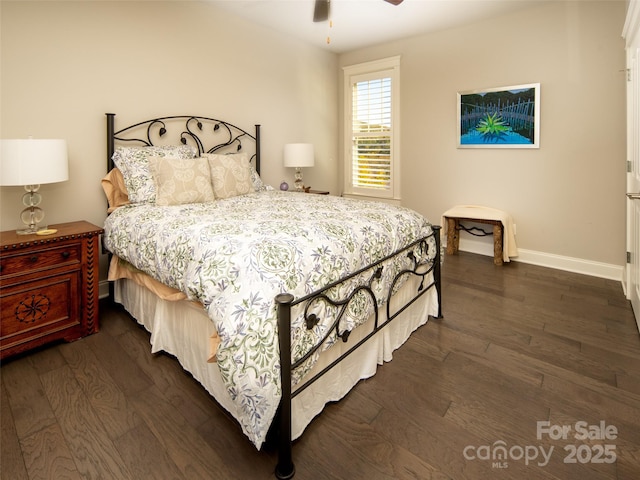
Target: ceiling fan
(321,9)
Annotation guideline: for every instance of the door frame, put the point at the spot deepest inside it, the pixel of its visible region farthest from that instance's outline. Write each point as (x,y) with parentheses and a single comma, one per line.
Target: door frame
(631,34)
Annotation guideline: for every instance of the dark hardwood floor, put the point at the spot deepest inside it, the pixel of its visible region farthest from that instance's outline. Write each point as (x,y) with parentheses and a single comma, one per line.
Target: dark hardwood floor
(518,346)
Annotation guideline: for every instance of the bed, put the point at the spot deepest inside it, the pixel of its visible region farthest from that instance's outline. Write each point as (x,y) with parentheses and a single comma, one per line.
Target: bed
(276,302)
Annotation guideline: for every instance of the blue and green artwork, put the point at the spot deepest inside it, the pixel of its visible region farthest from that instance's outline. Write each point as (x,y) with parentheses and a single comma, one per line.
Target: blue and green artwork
(499,117)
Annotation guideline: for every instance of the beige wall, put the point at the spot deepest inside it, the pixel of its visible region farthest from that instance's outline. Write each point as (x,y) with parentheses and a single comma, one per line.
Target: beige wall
(64,64)
(567,197)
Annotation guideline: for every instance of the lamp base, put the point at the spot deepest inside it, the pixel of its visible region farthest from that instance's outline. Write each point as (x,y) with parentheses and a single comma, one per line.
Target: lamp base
(299,185)
(33,214)
(28,231)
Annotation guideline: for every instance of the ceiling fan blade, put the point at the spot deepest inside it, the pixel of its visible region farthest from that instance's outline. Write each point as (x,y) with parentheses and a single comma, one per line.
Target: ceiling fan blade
(321,10)
(394,2)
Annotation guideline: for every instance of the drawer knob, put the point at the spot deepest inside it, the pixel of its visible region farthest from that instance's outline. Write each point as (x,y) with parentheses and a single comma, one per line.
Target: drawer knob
(66,255)
(33,258)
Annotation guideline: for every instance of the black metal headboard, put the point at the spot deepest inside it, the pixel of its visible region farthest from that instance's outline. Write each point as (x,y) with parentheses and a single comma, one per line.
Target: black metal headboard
(208,135)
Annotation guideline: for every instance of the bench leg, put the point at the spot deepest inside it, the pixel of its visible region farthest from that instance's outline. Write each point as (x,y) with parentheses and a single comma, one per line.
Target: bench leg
(453,236)
(497,244)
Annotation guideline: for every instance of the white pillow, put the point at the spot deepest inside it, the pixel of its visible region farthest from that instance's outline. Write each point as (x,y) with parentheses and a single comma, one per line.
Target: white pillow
(179,181)
(133,162)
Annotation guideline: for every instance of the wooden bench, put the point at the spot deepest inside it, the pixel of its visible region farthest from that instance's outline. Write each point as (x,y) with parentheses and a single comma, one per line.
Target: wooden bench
(453,234)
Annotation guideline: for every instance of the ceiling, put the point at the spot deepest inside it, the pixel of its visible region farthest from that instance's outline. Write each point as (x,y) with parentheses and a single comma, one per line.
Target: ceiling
(361,23)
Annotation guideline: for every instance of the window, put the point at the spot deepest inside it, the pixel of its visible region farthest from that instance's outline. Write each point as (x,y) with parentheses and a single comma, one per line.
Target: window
(371,128)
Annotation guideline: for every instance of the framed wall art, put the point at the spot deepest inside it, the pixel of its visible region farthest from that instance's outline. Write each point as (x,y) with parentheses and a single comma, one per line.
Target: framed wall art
(503,117)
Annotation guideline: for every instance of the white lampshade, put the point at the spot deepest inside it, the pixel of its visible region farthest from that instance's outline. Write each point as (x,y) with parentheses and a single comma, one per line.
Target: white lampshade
(298,155)
(33,162)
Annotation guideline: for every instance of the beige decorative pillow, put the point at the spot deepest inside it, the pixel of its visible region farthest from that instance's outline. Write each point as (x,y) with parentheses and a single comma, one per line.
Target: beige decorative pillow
(180,180)
(230,174)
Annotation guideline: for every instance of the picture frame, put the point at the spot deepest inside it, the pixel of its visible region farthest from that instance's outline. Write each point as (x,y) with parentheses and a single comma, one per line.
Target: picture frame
(501,117)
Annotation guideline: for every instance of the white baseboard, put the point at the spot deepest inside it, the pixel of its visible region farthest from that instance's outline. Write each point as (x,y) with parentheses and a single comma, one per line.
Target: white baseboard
(559,262)
(103,289)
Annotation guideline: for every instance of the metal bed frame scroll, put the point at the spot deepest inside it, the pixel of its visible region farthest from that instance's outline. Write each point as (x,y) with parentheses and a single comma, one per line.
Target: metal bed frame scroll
(422,259)
(208,135)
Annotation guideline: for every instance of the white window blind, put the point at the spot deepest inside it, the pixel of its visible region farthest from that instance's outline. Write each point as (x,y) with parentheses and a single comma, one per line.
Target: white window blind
(371,117)
(371,128)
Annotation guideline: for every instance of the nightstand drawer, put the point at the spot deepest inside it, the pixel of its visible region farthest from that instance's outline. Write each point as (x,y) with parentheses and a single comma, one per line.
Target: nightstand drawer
(39,308)
(36,260)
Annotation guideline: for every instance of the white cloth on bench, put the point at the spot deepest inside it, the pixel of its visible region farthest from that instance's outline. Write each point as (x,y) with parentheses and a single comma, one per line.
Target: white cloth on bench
(509,248)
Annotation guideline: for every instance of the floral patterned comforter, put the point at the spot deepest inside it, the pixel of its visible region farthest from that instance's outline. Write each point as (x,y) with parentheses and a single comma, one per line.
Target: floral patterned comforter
(235,255)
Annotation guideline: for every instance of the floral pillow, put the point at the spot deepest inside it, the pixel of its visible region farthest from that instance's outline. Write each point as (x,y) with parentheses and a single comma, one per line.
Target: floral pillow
(181,181)
(133,162)
(230,174)
(257,182)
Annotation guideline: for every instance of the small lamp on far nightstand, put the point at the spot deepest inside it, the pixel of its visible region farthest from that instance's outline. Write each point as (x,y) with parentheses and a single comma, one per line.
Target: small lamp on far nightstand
(31,162)
(298,155)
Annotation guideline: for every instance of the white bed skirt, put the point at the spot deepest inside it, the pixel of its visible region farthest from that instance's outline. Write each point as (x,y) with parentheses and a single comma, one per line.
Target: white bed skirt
(183,330)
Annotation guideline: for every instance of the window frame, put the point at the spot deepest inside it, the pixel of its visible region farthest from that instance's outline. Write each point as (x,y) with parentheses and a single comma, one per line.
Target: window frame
(377,69)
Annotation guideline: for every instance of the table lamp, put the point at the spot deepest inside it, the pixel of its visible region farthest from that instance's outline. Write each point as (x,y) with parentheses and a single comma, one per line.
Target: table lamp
(32,162)
(298,155)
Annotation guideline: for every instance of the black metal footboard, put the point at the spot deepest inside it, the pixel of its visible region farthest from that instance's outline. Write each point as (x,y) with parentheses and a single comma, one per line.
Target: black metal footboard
(421,266)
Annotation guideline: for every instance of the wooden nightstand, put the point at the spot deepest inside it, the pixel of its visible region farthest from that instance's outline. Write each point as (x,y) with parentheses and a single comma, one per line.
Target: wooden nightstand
(48,286)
